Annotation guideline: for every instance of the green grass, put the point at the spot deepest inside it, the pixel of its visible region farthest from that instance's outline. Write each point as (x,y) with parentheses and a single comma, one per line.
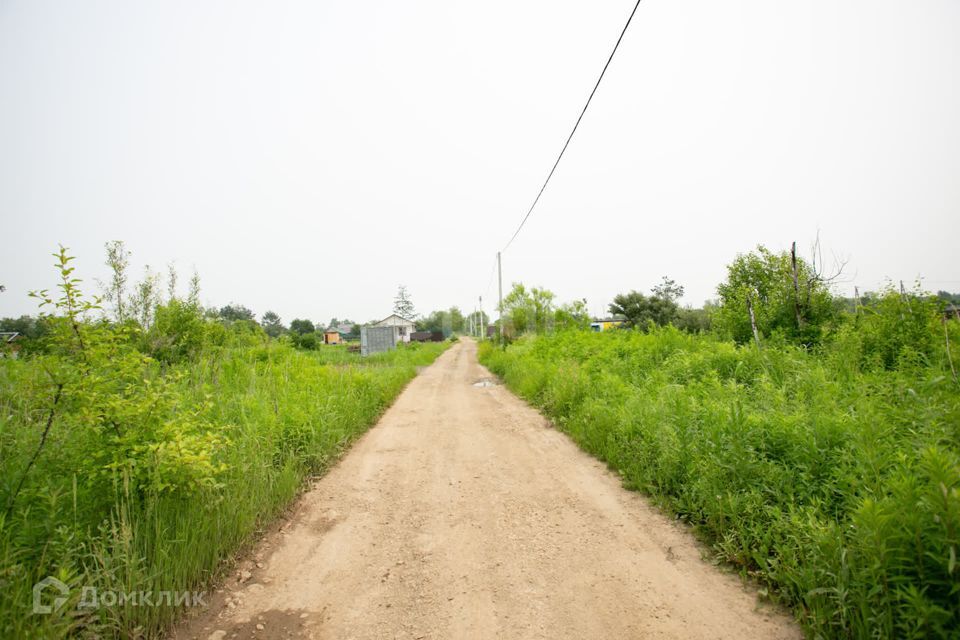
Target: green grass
(836,485)
(279,416)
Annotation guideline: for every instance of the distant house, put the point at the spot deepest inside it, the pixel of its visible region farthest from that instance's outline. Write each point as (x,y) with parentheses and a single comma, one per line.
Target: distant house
(605,324)
(403,328)
(337,334)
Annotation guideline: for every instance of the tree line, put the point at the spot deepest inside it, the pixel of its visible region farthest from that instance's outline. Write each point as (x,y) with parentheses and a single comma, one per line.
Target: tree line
(767,296)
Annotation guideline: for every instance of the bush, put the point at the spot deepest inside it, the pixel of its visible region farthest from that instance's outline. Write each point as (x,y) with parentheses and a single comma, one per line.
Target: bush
(306,341)
(898,328)
(178,332)
(803,313)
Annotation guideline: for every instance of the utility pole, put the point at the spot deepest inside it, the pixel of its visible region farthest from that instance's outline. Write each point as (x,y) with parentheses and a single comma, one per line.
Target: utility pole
(483,325)
(499,300)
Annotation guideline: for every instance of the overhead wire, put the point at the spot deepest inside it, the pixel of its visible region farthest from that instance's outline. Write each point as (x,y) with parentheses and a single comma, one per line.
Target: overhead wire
(575,126)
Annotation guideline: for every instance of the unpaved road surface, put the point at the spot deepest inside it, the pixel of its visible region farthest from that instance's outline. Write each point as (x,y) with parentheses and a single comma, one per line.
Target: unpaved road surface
(464,514)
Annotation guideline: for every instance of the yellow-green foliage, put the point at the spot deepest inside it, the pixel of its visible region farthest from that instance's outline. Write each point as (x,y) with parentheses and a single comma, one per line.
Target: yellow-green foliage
(833,479)
(122,472)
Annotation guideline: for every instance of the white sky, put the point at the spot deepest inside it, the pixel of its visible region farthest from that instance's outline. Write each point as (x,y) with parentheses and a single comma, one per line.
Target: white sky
(308,157)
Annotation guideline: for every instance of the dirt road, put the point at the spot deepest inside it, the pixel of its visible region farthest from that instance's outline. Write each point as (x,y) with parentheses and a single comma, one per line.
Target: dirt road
(464,514)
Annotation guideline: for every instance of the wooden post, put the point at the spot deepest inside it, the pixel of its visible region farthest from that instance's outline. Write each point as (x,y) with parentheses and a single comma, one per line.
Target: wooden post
(796,286)
(753,320)
(500,299)
(946,338)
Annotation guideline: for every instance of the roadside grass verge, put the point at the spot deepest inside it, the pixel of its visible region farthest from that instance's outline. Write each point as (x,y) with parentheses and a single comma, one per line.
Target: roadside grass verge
(834,484)
(225,442)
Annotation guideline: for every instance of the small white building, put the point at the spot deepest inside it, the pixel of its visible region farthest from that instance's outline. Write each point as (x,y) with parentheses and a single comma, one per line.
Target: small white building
(402,327)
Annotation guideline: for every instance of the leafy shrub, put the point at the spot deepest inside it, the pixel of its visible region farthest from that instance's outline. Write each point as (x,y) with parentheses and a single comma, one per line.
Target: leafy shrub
(897,328)
(178,332)
(803,311)
(307,341)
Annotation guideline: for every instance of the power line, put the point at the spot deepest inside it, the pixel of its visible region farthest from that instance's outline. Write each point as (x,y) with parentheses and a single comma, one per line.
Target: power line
(577,124)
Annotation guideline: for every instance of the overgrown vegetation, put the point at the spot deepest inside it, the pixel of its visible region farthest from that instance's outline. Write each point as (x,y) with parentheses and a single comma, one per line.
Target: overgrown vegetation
(824,460)
(139,451)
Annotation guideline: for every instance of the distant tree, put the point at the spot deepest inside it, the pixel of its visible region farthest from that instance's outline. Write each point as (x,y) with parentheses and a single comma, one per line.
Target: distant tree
(302,327)
(272,324)
(446,321)
(403,304)
(457,320)
(950,298)
(572,315)
(234,312)
(527,310)
(115,291)
(668,290)
(695,320)
(639,310)
(27,326)
(433,321)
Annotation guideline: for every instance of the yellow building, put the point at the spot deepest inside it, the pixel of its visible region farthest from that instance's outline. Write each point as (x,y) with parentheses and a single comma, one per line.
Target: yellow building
(605,325)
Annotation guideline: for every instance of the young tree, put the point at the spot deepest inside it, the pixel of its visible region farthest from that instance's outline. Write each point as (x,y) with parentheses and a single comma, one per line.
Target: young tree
(516,310)
(172,278)
(403,304)
(527,310)
(115,291)
(193,294)
(146,297)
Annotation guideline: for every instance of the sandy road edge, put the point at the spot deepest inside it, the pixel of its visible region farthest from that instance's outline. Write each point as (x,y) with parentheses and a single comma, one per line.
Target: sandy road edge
(241,566)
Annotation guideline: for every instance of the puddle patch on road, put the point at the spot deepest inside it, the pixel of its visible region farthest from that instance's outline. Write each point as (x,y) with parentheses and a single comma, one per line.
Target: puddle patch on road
(486,382)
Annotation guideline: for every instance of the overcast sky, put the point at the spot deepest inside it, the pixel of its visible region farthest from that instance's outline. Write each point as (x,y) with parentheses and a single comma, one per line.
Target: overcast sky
(308,157)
